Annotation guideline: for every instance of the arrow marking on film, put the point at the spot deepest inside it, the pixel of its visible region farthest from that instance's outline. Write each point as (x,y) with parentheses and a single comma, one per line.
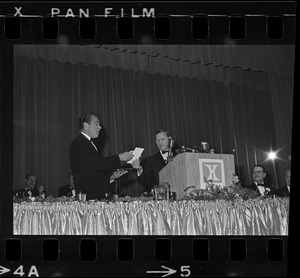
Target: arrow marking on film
(3,270)
(168,272)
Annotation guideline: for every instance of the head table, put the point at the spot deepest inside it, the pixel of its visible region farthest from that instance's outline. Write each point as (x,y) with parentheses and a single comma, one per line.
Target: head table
(187,217)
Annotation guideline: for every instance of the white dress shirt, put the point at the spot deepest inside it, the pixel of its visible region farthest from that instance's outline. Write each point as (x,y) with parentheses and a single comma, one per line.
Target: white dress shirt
(260,188)
(164,155)
(89,138)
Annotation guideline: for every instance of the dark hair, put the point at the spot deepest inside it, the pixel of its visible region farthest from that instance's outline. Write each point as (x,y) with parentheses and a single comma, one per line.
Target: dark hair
(259,165)
(29,175)
(84,118)
(69,175)
(161,131)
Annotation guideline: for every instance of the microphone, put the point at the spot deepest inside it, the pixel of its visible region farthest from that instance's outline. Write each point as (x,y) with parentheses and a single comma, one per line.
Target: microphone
(171,145)
(201,150)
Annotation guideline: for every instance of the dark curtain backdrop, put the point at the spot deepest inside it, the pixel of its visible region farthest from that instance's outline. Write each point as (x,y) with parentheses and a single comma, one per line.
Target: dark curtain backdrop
(244,120)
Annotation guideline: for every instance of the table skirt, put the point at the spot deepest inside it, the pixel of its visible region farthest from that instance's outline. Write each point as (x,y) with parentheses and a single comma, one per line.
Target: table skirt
(188,217)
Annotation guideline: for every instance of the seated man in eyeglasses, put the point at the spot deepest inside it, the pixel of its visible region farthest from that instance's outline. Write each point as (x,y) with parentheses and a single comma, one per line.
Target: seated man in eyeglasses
(258,185)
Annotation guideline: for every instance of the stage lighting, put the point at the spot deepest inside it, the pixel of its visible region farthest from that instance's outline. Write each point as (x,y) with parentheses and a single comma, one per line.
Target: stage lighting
(272,155)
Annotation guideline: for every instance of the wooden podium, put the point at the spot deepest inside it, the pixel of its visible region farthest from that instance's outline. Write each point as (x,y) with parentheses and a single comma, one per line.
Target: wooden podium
(190,169)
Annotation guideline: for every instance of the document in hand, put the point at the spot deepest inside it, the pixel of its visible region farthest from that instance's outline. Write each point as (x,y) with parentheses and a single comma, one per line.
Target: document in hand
(136,154)
(117,174)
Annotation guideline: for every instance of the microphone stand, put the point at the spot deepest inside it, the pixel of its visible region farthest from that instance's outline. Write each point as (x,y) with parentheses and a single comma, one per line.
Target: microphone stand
(201,150)
(191,150)
(170,152)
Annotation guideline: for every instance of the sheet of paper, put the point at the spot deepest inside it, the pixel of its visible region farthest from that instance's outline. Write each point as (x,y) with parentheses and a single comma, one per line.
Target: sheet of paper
(137,154)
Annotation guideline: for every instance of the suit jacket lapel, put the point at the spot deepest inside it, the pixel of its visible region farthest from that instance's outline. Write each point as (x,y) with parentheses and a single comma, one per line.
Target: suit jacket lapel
(88,141)
(253,186)
(160,158)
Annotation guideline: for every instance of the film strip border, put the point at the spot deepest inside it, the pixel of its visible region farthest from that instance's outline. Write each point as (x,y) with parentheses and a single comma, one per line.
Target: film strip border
(144,256)
(148,23)
(155,23)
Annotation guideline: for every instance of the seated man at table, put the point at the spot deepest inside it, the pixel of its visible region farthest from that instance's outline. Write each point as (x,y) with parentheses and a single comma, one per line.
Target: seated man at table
(30,189)
(68,190)
(42,192)
(259,185)
(148,170)
(284,191)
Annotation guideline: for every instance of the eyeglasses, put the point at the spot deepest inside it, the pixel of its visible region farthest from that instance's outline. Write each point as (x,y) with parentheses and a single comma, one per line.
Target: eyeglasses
(257,172)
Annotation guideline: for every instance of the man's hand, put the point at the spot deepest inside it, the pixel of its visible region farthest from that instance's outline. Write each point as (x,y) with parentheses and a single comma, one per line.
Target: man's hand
(125,156)
(136,165)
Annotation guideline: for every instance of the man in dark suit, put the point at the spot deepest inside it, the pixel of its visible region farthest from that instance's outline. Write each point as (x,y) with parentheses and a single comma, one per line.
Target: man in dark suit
(91,171)
(284,191)
(68,190)
(258,185)
(148,170)
(30,189)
